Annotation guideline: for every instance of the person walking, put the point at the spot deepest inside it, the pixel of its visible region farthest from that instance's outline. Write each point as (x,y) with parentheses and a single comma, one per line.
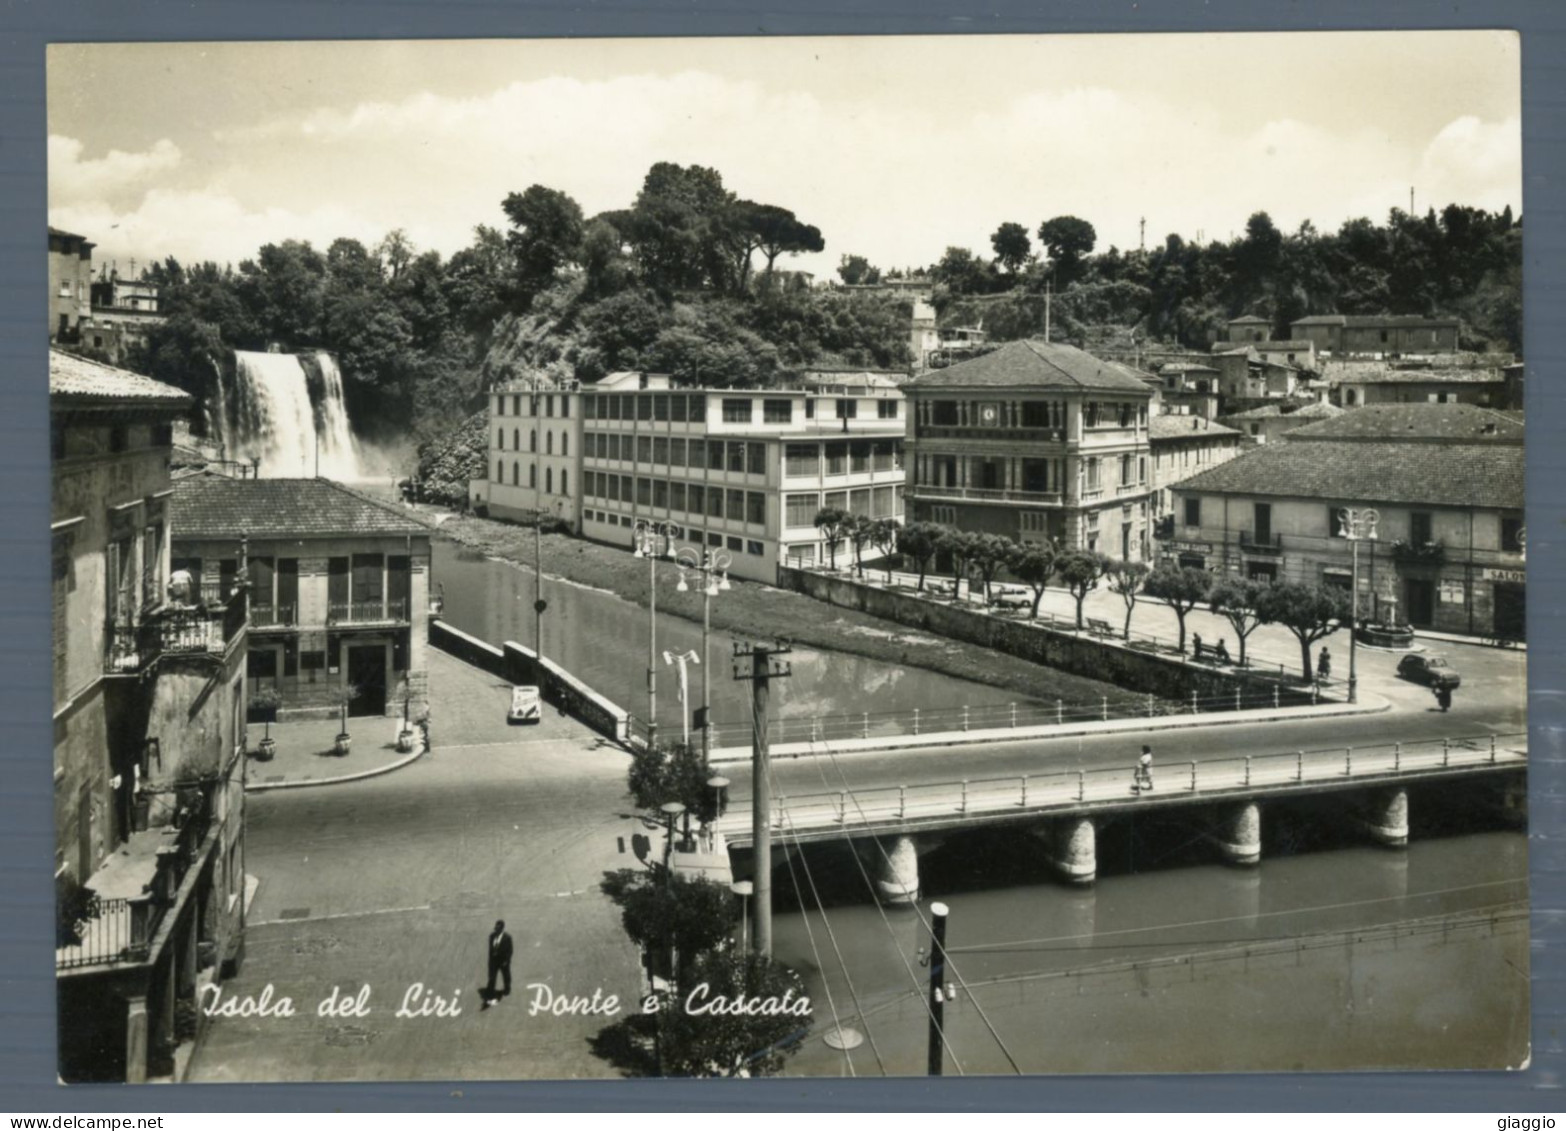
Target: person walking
(499,963)
(1144,770)
(1324,664)
(1443,694)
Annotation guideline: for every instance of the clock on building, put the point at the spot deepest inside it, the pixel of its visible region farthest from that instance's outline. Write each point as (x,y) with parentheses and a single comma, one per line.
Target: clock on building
(988,414)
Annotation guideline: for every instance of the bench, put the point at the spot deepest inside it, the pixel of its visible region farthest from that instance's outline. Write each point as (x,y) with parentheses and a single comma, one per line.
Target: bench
(1100,628)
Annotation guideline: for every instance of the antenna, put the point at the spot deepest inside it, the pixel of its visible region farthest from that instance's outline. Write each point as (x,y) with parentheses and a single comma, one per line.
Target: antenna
(1143,237)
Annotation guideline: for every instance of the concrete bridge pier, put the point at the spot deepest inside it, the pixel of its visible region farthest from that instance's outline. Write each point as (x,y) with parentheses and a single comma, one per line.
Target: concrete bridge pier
(1385,816)
(1072,847)
(893,863)
(1238,833)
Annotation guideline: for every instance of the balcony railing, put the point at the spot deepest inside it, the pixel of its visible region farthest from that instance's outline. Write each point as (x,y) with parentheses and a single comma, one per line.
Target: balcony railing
(367,612)
(984,494)
(171,630)
(1268,544)
(1419,553)
(274,616)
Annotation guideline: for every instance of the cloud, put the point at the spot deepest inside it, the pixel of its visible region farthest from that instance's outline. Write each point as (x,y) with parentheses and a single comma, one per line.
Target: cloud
(115,173)
(1474,162)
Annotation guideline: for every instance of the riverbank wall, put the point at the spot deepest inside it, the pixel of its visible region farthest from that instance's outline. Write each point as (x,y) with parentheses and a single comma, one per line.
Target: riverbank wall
(1094,657)
(518,664)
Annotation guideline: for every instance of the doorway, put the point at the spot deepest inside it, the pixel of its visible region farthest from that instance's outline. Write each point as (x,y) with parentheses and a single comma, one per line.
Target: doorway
(1511,620)
(367,673)
(1420,596)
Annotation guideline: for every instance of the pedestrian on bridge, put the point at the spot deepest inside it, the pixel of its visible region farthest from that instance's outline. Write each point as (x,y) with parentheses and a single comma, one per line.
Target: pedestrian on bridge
(1143,776)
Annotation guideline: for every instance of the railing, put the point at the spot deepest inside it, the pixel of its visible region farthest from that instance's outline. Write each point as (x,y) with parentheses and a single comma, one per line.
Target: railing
(963,432)
(366,612)
(953,802)
(984,493)
(171,631)
(274,616)
(1269,544)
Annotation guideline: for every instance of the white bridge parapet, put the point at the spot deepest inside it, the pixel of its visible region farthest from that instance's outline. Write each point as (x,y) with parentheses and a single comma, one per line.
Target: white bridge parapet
(900,809)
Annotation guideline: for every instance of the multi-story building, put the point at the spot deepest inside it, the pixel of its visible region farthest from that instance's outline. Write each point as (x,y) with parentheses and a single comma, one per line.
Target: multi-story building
(1036,441)
(70,284)
(1446,481)
(149,712)
(339,588)
(1182,446)
(741,470)
(123,310)
(1488,388)
(1269,421)
(1377,334)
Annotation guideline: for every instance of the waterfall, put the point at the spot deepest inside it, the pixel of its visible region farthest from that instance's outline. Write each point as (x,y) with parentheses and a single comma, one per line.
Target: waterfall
(270,413)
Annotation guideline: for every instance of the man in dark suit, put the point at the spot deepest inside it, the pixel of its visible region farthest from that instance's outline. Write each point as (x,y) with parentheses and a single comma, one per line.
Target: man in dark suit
(499,963)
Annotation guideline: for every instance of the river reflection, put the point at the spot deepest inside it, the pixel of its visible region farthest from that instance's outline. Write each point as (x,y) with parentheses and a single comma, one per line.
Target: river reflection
(602,639)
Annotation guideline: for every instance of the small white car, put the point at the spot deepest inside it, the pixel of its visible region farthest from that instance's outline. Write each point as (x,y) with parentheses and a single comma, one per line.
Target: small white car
(526,705)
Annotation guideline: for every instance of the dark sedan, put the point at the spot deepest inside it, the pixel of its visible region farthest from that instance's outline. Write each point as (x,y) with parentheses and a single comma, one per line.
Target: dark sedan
(1432,671)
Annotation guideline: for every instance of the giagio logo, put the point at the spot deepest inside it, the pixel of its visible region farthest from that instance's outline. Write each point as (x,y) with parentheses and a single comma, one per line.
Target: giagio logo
(1524,1123)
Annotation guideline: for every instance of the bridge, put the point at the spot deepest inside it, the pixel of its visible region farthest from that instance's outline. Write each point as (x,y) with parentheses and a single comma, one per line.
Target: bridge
(890,824)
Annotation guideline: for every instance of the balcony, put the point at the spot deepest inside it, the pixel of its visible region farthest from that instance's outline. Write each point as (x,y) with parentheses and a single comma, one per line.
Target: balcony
(394,611)
(1429,555)
(128,897)
(1270,544)
(172,630)
(274,616)
(985,494)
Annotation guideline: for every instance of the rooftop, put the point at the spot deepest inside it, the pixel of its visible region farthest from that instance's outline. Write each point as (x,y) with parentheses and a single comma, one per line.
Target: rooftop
(1175,427)
(1033,364)
(1385,471)
(215,506)
(1445,423)
(77,380)
(1372,320)
(1247,318)
(1315,411)
(1284,344)
(1423,376)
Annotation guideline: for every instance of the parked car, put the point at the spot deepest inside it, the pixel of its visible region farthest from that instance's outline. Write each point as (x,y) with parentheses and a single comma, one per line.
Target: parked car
(526,705)
(1433,671)
(1015,599)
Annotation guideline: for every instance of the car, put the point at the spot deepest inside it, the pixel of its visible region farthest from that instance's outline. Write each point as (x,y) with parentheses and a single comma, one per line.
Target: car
(526,705)
(1431,670)
(1012,599)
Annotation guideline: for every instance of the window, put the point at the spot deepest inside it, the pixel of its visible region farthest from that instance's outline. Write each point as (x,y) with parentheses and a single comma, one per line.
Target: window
(677,408)
(677,452)
(696,408)
(756,459)
(886,409)
(696,498)
(736,457)
(1193,512)
(661,494)
(837,459)
(661,451)
(715,502)
(714,455)
(810,408)
(756,508)
(644,449)
(118,438)
(643,408)
(644,492)
(1090,414)
(754,548)
(736,410)
(847,409)
(565,481)
(1511,533)
(800,510)
(776,411)
(736,544)
(1420,527)
(661,406)
(836,500)
(549,443)
(549,405)
(736,505)
(1125,471)
(943,412)
(565,406)
(1143,470)
(500,471)
(1092,473)
(500,439)
(532,440)
(677,496)
(802,459)
(565,443)
(696,455)
(532,476)
(549,481)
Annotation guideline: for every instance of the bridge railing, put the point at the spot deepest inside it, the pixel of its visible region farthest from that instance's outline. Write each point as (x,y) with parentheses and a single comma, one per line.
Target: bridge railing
(1001,716)
(1069,788)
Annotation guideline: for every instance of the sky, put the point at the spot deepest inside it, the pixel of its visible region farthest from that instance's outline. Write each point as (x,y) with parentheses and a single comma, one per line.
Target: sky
(896,148)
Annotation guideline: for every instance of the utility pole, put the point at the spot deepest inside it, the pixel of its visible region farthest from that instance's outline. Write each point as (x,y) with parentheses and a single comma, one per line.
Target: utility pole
(1142,239)
(539,604)
(763,668)
(938,913)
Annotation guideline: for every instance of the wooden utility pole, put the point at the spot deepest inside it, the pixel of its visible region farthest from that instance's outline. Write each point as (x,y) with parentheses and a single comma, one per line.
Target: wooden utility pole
(763,668)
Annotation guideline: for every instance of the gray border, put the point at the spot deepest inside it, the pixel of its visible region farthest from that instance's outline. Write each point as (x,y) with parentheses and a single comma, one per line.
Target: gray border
(27,1037)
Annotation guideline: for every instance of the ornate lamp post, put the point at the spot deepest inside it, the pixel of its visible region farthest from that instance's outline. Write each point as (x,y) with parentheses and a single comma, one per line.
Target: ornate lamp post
(1357,526)
(711,569)
(652,540)
(683,659)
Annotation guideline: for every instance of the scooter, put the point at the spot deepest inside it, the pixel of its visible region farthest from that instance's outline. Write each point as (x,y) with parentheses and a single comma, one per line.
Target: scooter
(1443,696)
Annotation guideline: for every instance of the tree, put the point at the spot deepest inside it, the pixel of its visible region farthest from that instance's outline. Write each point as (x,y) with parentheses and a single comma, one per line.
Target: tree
(1033,563)
(1012,246)
(699,1040)
(855,270)
(776,231)
(833,524)
(1310,612)
(859,529)
(1127,579)
(1080,570)
(672,771)
(987,553)
(1239,600)
(957,544)
(1180,589)
(885,534)
(666,913)
(683,229)
(961,272)
(1068,240)
(918,541)
(546,234)
(397,251)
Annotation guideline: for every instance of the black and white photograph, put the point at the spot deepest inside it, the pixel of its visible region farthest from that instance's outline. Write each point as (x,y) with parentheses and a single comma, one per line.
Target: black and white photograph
(874,556)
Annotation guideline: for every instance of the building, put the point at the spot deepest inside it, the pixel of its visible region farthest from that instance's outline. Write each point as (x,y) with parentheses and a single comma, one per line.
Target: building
(123,310)
(1181,446)
(339,588)
(70,285)
(1446,481)
(1035,441)
(1269,421)
(149,735)
(923,336)
(1487,388)
(1377,334)
(744,471)
(1249,328)
(1246,373)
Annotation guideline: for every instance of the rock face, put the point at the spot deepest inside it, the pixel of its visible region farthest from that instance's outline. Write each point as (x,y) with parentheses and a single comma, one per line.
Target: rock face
(446,465)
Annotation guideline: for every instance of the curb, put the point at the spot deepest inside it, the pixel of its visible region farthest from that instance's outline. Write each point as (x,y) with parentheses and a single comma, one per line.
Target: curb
(891,742)
(304,783)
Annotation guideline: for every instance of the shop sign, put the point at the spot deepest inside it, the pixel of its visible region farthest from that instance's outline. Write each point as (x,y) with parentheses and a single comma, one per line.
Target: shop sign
(1493,574)
(1191,547)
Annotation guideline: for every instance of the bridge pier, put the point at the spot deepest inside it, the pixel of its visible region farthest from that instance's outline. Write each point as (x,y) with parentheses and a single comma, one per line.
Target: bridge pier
(1238,833)
(1385,817)
(1072,848)
(894,865)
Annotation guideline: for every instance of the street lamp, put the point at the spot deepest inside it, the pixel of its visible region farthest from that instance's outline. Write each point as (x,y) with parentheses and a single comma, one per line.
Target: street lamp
(743,888)
(652,540)
(711,568)
(1356,526)
(685,717)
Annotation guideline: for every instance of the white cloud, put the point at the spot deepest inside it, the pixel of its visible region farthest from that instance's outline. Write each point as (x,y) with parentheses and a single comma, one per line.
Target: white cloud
(73,179)
(1474,162)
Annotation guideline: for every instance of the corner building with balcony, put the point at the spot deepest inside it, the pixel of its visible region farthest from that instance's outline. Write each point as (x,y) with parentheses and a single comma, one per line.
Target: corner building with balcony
(1445,479)
(338,585)
(1037,442)
(149,709)
(741,470)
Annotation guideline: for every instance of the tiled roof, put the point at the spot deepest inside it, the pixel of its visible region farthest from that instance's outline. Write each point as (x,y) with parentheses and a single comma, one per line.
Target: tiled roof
(1372,320)
(81,380)
(1464,423)
(215,506)
(1185,367)
(1232,347)
(1313,411)
(1036,364)
(1245,318)
(1453,475)
(1320,320)
(1446,376)
(1283,344)
(1167,426)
